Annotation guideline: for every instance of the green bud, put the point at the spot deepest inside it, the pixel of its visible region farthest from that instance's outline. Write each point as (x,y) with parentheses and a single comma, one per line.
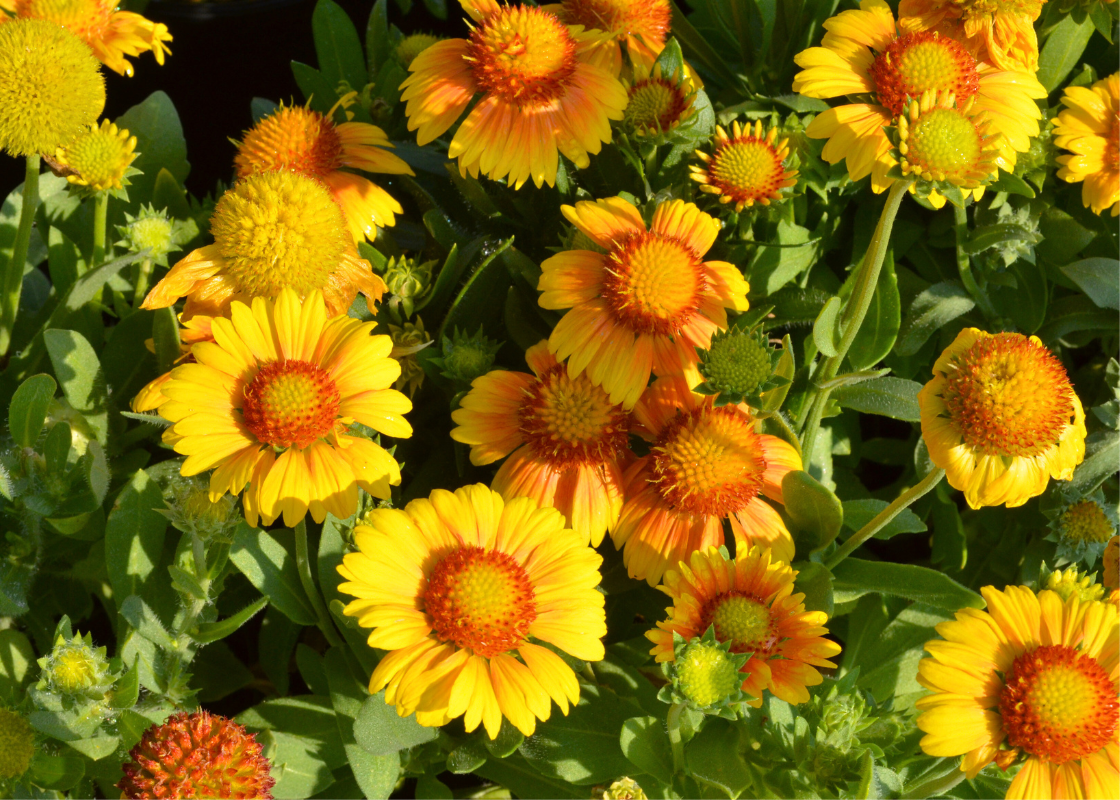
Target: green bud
(1082,529)
(1070,582)
(705,674)
(153,230)
(411,46)
(624,789)
(737,367)
(467,357)
(408,340)
(408,281)
(17,744)
(74,668)
(190,510)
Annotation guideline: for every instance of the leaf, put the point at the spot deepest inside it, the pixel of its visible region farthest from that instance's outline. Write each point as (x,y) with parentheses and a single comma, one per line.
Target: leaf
(1026,303)
(1101,457)
(1062,50)
(145,622)
(16,657)
(481,301)
(317,90)
(896,398)
(932,310)
(645,742)
(337,46)
(134,537)
(858,513)
(213,631)
(96,747)
(815,582)
(379,48)
(77,368)
(714,757)
(126,691)
(826,330)
(63,259)
(852,378)
(379,730)
(270,568)
(55,773)
(28,410)
(308,717)
(1099,278)
(815,511)
(853,578)
(774,266)
(697,49)
(888,662)
(160,143)
(1073,314)
(773,399)
(879,331)
(523,781)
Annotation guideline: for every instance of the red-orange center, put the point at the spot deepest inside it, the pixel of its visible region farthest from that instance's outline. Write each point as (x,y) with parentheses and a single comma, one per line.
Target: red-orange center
(291,404)
(295,138)
(523,55)
(1058,704)
(568,421)
(649,19)
(653,284)
(480,600)
(919,62)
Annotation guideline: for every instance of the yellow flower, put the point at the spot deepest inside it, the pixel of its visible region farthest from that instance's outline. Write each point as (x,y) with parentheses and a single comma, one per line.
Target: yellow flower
(1001,418)
(647,303)
(455,587)
(413,45)
(111,33)
(1000,32)
(540,94)
(706,465)
(269,403)
(271,230)
(750,601)
(569,441)
(745,168)
(99,157)
(305,141)
(864,53)
(1032,679)
(1089,127)
(641,25)
(657,105)
(51,87)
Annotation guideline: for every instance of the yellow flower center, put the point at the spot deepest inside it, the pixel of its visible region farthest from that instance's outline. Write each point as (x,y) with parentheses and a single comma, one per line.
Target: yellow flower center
(295,138)
(523,55)
(709,461)
(1008,396)
(278,229)
(706,674)
(920,62)
(1085,521)
(480,600)
(100,156)
(86,19)
(411,46)
(746,169)
(649,19)
(653,284)
(742,619)
(569,421)
(73,669)
(944,143)
(655,103)
(17,744)
(1058,704)
(291,404)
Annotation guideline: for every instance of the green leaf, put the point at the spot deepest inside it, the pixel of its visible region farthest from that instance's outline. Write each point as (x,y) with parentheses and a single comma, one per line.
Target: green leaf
(858,513)
(63,259)
(134,537)
(165,335)
(826,330)
(270,568)
(1026,303)
(714,757)
(160,143)
(481,302)
(337,46)
(991,235)
(213,631)
(16,658)
(55,773)
(1074,314)
(879,331)
(932,310)
(506,742)
(379,730)
(317,90)
(147,623)
(301,738)
(1101,457)
(774,266)
(1062,51)
(853,578)
(379,47)
(96,747)
(28,410)
(1099,278)
(671,60)
(814,510)
(896,398)
(888,659)
(852,378)
(126,691)
(697,49)
(78,371)
(645,742)
(522,780)
(815,582)
(773,399)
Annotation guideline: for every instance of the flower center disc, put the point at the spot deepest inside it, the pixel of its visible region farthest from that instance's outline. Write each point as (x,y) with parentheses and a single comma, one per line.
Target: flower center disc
(1058,704)
(707,675)
(649,19)
(945,141)
(654,103)
(480,600)
(653,284)
(86,19)
(278,229)
(709,462)
(291,404)
(1007,396)
(99,157)
(742,619)
(569,421)
(1085,521)
(746,168)
(293,138)
(524,55)
(918,62)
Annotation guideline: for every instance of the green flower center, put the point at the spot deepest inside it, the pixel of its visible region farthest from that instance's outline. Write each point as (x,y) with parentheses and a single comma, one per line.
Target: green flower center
(737,363)
(706,674)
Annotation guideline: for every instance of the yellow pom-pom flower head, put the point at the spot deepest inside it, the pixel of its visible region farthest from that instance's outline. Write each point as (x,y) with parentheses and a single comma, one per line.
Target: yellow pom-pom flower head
(271,230)
(459,588)
(1001,418)
(745,168)
(17,744)
(100,158)
(75,669)
(112,34)
(1089,128)
(51,87)
(413,45)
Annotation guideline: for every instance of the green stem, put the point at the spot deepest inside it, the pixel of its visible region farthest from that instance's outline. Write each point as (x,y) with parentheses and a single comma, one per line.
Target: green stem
(937,785)
(303,564)
(673,723)
(142,282)
(100,215)
(885,516)
(11,277)
(964,265)
(197,605)
(854,312)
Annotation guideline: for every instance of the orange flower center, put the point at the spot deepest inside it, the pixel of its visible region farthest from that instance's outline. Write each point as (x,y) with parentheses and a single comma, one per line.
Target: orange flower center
(746,169)
(1058,704)
(86,19)
(655,103)
(742,619)
(523,55)
(919,62)
(480,600)
(569,421)
(295,138)
(649,19)
(290,404)
(709,461)
(1008,396)
(653,284)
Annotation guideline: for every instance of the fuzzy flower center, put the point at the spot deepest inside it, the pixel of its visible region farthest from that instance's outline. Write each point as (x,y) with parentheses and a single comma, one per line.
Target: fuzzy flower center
(1085,521)
(569,421)
(1058,704)
(706,674)
(653,284)
(101,155)
(655,103)
(481,600)
(737,363)
(294,138)
(291,404)
(1008,396)
(920,62)
(86,19)
(746,168)
(412,46)
(742,619)
(944,142)
(649,19)
(17,744)
(523,55)
(709,462)
(278,229)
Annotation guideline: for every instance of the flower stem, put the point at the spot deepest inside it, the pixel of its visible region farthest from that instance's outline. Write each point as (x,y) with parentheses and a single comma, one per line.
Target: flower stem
(939,784)
(11,277)
(142,282)
(303,564)
(885,516)
(673,723)
(100,215)
(854,312)
(964,265)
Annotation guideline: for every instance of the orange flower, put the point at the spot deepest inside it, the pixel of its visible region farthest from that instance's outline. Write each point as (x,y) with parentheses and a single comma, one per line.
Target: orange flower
(641,25)
(1000,32)
(569,442)
(706,465)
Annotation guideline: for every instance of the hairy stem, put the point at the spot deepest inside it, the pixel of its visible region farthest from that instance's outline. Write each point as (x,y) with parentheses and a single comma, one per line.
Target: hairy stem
(142,282)
(303,564)
(11,277)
